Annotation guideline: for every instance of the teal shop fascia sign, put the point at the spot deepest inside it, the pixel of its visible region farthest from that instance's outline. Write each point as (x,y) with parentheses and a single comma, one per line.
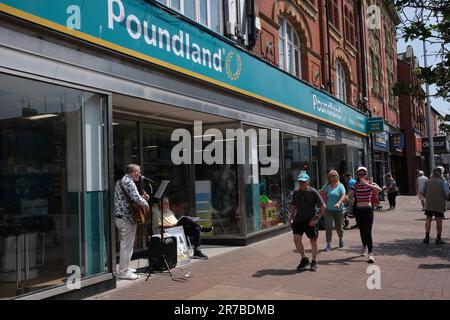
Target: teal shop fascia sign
(375,125)
(142,30)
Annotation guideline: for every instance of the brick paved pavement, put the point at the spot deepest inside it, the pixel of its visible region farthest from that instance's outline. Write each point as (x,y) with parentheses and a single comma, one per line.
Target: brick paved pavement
(266,270)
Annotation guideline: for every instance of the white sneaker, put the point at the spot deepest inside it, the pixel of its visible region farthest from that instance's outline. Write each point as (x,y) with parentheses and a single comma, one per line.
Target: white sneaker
(371,259)
(132,270)
(364,253)
(128,276)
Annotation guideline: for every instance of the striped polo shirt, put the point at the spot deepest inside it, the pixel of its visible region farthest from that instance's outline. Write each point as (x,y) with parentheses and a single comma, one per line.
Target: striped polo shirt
(362,193)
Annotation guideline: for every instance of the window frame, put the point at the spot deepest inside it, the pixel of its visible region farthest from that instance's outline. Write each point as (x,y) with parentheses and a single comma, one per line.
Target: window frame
(197,13)
(341,83)
(285,40)
(349,25)
(334,14)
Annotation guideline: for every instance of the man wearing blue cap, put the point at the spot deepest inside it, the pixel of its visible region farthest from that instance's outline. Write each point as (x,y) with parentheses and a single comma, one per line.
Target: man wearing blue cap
(304,218)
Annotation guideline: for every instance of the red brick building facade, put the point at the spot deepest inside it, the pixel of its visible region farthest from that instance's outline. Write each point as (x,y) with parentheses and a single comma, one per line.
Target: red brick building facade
(362,66)
(294,37)
(413,120)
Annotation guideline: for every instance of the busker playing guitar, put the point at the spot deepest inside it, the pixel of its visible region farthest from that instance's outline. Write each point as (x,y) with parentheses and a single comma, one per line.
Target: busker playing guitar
(125,219)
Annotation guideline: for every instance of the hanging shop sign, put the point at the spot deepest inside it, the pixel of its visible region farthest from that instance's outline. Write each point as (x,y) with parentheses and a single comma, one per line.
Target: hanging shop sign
(143,30)
(381,141)
(441,145)
(397,142)
(375,125)
(418,141)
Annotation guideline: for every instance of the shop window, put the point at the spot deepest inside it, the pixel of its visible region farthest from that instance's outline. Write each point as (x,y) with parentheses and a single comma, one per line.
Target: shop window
(157,165)
(217,191)
(54,197)
(205,12)
(263,191)
(296,160)
(341,86)
(289,48)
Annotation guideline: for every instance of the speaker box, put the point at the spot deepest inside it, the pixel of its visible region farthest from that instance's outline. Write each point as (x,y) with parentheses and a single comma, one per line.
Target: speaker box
(156,250)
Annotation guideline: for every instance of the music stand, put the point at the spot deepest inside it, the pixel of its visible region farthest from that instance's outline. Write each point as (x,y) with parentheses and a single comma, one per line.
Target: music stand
(159,194)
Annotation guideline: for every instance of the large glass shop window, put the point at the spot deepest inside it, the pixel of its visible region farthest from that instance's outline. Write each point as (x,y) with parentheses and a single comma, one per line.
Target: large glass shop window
(262,186)
(54,198)
(216,186)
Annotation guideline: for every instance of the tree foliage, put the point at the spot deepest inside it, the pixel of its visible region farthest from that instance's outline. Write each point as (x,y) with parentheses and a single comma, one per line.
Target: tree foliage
(428,20)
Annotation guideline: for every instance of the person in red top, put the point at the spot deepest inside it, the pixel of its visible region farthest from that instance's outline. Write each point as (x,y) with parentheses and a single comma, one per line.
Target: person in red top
(361,197)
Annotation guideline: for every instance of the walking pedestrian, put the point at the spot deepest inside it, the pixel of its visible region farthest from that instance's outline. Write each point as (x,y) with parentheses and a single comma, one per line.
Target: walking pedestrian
(390,186)
(443,178)
(304,218)
(436,191)
(361,197)
(349,182)
(420,185)
(334,196)
(125,221)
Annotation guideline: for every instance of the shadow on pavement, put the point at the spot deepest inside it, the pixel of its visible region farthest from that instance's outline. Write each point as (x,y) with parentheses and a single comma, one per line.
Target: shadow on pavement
(345,261)
(274,272)
(434,266)
(409,247)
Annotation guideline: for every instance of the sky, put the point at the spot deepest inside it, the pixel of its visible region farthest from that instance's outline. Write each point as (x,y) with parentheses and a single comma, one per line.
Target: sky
(439,104)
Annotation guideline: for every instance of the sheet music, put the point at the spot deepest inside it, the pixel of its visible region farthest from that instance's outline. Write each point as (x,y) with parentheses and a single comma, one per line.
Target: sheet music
(162,187)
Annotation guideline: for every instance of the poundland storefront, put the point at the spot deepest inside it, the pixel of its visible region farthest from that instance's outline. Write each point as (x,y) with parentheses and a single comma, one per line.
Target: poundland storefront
(89,86)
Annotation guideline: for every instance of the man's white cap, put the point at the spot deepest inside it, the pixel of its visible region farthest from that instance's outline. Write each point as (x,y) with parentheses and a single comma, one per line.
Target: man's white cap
(361,168)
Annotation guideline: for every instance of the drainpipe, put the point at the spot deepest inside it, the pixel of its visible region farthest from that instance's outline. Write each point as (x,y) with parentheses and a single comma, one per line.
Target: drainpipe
(251,17)
(322,48)
(362,57)
(327,10)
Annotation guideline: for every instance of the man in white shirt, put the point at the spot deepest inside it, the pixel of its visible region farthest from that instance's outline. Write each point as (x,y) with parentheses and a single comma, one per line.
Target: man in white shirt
(420,184)
(124,218)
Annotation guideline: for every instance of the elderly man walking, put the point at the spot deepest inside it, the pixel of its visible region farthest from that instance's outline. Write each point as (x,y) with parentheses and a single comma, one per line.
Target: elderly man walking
(436,191)
(420,185)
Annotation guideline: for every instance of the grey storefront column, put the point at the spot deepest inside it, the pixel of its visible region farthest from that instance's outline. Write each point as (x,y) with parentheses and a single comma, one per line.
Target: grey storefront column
(322,161)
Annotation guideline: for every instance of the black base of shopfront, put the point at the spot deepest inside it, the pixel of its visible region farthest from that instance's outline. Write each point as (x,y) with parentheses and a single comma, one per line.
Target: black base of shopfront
(88,291)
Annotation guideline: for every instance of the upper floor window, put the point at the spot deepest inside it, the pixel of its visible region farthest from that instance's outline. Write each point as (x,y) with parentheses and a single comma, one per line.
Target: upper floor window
(341,86)
(334,13)
(205,12)
(376,73)
(349,25)
(289,48)
(390,88)
(389,39)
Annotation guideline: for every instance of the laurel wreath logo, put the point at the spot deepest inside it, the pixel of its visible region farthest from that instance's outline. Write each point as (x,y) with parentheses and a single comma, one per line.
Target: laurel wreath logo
(237,73)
